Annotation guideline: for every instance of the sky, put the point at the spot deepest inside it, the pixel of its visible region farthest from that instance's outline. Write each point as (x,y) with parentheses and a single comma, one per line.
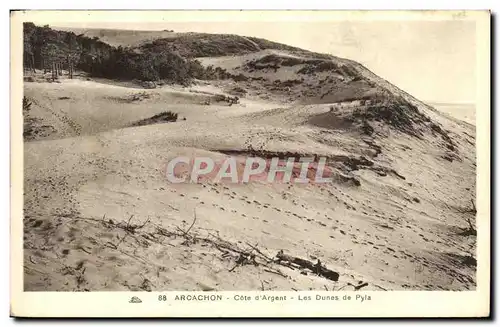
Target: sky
(434,60)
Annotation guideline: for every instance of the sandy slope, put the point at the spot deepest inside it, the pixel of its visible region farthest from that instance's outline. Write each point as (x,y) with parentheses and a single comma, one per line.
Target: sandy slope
(392,217)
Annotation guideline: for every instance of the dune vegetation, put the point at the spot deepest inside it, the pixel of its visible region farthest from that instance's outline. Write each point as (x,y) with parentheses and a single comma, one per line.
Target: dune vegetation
(103,117)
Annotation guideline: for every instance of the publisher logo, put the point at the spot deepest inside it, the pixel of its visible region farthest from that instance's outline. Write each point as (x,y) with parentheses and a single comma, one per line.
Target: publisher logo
(135,299)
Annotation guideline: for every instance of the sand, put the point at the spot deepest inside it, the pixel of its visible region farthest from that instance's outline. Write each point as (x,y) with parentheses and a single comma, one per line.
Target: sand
(100,215)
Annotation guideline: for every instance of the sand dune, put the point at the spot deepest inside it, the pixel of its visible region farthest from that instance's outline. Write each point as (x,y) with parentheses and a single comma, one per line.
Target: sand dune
(100,214)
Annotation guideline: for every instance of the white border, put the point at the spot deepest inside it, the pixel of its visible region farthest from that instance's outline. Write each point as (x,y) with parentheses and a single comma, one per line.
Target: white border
(144,4)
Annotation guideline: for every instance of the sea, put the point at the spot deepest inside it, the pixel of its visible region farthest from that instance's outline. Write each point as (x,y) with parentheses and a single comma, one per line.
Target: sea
(462,111)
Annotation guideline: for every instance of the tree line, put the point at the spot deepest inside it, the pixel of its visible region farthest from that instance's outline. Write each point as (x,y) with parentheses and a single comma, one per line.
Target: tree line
(52,50)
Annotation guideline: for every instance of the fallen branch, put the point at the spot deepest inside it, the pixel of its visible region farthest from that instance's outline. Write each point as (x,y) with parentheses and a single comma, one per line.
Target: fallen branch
(259,252)
(84,250)
(186,233)
(141,226)
(316,268)
(471,230)
(359,286)
(128,222)
(115,246)
(383,289)
(173,208)
(194,221)
(275,271)
(245,258)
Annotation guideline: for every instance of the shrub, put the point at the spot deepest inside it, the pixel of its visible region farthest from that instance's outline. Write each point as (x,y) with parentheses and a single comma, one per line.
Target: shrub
(26,104)
(162,117)
(238,90)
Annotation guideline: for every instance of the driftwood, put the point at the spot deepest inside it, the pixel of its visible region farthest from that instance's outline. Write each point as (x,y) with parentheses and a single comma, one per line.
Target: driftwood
(316,268)
(359,286)
(251,255)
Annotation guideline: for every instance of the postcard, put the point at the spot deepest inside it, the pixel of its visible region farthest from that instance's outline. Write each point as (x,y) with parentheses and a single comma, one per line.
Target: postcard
(250,163)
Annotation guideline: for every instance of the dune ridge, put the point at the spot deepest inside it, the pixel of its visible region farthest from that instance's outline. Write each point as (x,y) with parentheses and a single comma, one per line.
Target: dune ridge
(100,215)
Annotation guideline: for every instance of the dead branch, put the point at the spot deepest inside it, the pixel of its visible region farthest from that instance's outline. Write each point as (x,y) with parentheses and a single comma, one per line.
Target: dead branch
(359,286)
(471,230)
(383,289)
(186,233)
(132,228)
(84,250)
(115,246)
(316,268)
(194,221)
(245,259)
(468,211)
(147,221)
(234,267)
(128,222)
(275,271)
(173,208)
(471,210)
(341,288)
(259,252)
(471,227)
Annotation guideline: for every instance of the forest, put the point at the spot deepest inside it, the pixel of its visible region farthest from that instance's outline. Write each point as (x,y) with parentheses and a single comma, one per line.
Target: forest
(52,50)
